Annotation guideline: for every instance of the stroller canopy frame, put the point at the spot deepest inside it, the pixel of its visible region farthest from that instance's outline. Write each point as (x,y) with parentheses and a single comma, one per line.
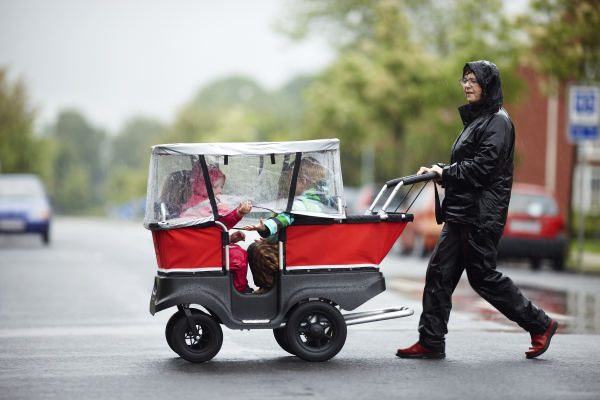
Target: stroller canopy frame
(247,149)
(265,173)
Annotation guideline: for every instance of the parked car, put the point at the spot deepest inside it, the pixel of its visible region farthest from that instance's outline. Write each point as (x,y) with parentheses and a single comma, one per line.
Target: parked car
(24,205)
(420,237)
(535,228)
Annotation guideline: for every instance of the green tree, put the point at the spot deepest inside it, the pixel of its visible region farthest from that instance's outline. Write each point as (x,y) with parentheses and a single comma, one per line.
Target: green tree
(565,38)
(130,157)
(237,109)
(380,80)
(394,85)
(233,91)
(79,169)
(131,147)
(20,150)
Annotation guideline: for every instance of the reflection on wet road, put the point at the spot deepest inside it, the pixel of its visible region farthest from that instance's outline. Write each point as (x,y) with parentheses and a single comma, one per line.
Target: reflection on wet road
(577,312)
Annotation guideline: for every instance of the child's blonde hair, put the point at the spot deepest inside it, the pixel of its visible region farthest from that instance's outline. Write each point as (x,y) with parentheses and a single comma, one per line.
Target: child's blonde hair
(311,170)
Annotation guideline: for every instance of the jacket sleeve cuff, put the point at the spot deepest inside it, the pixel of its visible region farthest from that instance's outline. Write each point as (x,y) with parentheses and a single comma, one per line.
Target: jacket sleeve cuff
(445,173)
(271,228)
(264,234)
(236,216)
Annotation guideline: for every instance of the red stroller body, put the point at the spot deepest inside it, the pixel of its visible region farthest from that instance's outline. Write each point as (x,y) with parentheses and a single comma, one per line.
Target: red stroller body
(328,261)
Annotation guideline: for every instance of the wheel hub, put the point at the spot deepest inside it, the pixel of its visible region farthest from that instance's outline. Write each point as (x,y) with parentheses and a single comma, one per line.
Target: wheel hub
(315,331)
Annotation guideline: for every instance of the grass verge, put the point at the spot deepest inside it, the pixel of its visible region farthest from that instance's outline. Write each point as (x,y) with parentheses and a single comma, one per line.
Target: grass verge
(591,257)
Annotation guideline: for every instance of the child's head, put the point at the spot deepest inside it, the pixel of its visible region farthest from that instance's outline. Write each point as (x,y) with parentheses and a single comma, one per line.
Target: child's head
(177,188)
(310,174)
(217,179)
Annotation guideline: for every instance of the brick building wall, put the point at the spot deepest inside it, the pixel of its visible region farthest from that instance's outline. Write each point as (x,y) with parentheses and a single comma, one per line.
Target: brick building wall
(530,116)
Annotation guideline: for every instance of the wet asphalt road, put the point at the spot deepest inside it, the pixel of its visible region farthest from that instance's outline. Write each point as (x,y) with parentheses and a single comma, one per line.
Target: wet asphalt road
(74,324)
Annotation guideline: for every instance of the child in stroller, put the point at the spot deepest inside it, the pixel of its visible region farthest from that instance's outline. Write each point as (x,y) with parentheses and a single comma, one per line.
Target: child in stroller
(196,204)
(311,195)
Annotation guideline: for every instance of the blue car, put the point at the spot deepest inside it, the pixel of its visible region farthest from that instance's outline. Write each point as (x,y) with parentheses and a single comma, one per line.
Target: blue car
(24,205)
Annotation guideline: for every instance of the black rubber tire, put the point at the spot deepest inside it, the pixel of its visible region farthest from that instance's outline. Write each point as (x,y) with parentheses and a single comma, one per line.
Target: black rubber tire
(316,316)
(46,238)
(202,350)
(171,324)
(419,247)
(279,335)
(536,264)
(558,264)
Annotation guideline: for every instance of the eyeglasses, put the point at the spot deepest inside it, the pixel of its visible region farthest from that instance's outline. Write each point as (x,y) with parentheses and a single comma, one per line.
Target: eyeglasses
(464,82)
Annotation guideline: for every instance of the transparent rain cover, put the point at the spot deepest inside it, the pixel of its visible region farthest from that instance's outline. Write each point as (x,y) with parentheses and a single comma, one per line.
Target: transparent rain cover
(177,196)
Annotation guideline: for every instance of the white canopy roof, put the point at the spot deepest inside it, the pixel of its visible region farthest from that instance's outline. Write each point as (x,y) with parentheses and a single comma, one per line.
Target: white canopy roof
(246,148)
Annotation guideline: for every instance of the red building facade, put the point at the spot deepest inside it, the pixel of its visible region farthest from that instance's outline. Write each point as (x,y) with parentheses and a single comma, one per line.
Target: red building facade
(543,156)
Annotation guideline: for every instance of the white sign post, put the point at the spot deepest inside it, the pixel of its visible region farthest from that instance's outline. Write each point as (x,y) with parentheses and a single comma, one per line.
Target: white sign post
(583,127)
(584,113)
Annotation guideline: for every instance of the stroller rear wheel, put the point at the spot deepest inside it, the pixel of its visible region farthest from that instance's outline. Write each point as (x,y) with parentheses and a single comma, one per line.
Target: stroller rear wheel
(316,331)
(199,348)
(279,334)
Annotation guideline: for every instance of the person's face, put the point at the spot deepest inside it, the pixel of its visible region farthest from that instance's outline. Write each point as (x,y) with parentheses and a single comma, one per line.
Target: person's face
(300,186)
(218,186)
(472,92)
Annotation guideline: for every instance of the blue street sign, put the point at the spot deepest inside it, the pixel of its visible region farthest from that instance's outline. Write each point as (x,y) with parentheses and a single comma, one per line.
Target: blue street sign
(584,102)
(584,113)
(578,133)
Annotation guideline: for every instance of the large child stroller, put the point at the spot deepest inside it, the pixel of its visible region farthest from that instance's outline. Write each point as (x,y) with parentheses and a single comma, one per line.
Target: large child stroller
(328,261)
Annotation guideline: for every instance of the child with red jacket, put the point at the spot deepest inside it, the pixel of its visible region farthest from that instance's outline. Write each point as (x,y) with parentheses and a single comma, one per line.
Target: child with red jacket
(199,206)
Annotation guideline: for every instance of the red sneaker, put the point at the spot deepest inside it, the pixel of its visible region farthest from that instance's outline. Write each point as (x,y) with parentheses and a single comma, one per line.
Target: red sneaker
(418,351)
(540,343)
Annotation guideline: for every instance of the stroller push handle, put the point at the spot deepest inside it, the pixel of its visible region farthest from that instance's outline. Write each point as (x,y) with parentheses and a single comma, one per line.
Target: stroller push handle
(409,180)
(397,183)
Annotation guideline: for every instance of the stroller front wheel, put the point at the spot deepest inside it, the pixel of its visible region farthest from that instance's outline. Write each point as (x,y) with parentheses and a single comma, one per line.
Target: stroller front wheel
(172,322)
(201,348)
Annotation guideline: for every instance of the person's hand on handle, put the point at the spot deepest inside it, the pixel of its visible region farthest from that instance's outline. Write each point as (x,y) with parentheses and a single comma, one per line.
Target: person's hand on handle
(258,227)
(423,170)
(237,236)
(434,168)
(244,208)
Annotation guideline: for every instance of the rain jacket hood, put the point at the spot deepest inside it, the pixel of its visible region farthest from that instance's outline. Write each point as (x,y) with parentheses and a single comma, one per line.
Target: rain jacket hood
(488,77)
(478,180)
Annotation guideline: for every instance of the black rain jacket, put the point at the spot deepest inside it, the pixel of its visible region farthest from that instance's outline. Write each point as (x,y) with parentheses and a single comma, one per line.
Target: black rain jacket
(479,178)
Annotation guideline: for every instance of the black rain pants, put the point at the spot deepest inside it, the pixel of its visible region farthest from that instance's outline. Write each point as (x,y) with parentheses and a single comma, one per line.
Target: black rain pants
(463,247)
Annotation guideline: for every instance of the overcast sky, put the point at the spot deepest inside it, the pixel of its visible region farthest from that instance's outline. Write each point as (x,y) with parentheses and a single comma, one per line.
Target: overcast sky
(116,59)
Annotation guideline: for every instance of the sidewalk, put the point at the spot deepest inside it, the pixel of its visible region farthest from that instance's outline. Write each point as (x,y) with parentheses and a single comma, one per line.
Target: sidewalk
(590,259)
(569,297)
(590,263)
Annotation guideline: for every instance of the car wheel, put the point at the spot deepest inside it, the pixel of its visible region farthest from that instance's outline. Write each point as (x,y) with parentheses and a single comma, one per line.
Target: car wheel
(536,264)
(201,348)
(558,263)
(171,324)
(46,237)
(316,331)
(279,334)
(419,247)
